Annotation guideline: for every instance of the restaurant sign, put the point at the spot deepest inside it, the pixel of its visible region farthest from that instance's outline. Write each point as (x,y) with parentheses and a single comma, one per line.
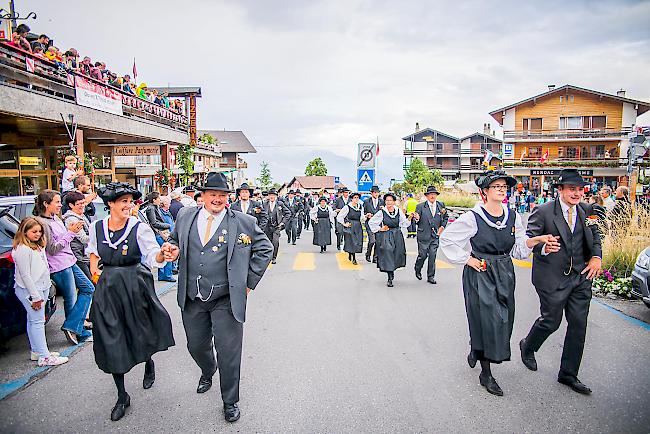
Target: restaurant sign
(94,95)
(135,150)
(556,172)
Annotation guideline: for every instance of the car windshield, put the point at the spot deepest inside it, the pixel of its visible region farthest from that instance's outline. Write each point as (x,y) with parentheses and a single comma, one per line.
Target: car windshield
(8,228)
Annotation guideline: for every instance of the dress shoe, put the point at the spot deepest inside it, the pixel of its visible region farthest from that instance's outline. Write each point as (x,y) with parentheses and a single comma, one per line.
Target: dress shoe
(204,384)
(293,244)
(120,409)
(528,357)
(490,384)
(231,412)
(274,261)
(149,379)
(418,275)
(432,281)
(354,262)
(471,359)
(389,283)
(575,384)
(374,260)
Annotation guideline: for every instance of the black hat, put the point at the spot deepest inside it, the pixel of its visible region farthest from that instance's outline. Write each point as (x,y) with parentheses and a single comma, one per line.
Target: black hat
(344,190)
(355,194)
(244,186)
(490,176)
(389,194)
(291,192)
(298,191)
(431,189)
(323,198)
(374,188)
(114,190)
(189,188)
(272,191)
(570,177)
(215,181)
(265,193)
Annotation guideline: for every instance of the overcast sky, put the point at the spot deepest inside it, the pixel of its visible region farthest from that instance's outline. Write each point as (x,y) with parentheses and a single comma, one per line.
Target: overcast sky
(305,78)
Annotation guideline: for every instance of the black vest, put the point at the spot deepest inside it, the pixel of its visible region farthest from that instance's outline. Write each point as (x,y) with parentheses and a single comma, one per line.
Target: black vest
(576,247)
(207,265)
(491,240)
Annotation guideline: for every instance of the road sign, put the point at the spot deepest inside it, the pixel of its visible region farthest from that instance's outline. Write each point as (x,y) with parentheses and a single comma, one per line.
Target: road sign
(365,179)
(337,180)
(366,155)
(508,150)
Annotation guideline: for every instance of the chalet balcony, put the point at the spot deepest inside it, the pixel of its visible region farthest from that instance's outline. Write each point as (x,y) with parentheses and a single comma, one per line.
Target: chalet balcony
(565,135)
(433,150)
(565,162)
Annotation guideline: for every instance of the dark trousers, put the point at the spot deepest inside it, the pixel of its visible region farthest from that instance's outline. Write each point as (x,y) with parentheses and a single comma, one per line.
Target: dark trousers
(371,243)
(292,230)
(204,321)
(338,229)
(274,236)
(573,300)
(427,249)
(306,220)
(299,222)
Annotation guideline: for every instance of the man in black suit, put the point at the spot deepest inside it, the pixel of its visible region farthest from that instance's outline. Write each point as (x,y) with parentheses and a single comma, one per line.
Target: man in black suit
(431,217)
(251,207)
(370,207)
(562,274)
(339,204)
(301,215)
(279,216)
(295,207)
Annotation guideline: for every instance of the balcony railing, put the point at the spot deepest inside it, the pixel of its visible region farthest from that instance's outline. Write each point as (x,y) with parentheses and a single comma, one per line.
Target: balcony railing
(431,152)
(565,162)
(581,133)
(51,80)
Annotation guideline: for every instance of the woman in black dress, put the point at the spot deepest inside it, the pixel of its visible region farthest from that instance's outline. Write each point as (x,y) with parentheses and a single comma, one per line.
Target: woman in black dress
(387,226)
(485,239)
(350,218)
(129,322)
(322,217)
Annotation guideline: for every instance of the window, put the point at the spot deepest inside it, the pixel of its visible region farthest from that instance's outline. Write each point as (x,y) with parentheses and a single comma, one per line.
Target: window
(532,124)
(571,123)
(535,152)
(598,151)
(571,152)
(597,122)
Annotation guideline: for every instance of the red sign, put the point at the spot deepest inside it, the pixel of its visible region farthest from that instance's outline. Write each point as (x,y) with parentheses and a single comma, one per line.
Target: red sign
(149,107)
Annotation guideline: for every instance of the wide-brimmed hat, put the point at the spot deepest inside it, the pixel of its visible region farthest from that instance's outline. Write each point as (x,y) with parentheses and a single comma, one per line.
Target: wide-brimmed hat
(323,198)
(244,186)
(297,191)
(291,192)
(272,191)
(389,194)
(487,178)
(189,188)
(374,188)
(570,177)
(431,189)
(215,181)
(114,190)
(344,190)
(355,194)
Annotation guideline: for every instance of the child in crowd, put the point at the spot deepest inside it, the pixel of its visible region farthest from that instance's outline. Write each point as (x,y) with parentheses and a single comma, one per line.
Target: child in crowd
(32,286)
(69,173)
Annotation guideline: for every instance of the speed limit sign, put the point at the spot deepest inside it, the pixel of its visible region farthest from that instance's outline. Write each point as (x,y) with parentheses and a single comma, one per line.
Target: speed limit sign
(366,155)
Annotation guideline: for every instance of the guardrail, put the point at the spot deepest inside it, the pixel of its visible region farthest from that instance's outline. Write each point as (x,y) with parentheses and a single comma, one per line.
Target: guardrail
(581,133)
(44,76)
(431,152)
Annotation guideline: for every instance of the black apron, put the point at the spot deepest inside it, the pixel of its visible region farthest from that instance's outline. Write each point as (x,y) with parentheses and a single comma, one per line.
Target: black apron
(353,236)
(490,295)
(391,250)
(323,229)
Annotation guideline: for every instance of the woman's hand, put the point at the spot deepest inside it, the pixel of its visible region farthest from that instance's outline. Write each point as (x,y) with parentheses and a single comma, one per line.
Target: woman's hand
(384,228)
(475,264)
(348,225)
(36,305)
(76,227)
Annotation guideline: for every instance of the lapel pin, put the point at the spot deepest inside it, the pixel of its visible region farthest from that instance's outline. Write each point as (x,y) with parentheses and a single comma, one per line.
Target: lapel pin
(215,248)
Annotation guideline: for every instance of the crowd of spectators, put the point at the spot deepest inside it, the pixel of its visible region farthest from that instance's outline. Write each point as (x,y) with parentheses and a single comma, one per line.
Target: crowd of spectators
(69,62)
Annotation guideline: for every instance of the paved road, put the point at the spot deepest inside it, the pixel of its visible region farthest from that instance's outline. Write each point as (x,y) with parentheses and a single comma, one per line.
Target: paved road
(329,348)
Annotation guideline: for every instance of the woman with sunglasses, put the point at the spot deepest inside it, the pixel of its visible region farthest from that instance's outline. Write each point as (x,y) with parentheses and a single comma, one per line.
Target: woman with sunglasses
(485,239)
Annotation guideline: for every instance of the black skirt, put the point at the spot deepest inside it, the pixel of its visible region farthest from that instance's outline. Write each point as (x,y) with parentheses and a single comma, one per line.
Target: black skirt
(130,323)
(322,232)
(353,237)
(391,249)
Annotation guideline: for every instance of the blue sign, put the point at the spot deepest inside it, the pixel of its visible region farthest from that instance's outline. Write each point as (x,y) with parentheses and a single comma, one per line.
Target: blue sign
(337,180)
(507,149)
(365,179)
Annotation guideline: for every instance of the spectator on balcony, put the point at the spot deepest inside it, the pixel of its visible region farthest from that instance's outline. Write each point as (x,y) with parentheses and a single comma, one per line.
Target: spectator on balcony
(127,86)
(43,41)
(141,91)
(38,52)
(165,99)
(96,71)
(71,59)
(22,43)
(85,66)
(115,81)
(54,55)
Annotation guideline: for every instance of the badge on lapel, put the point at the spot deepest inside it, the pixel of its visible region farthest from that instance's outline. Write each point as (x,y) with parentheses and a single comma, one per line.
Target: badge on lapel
(591,220)
(443,211)
(222,239)
(244,239)
(215,248)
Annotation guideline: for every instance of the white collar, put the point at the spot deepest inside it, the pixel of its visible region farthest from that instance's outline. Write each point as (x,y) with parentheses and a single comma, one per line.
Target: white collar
(565,207)
(205,213)
(478,209)
(131,222)
(432,205)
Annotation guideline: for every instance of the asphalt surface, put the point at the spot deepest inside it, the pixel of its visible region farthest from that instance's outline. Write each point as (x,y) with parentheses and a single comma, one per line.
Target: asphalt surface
(329,348)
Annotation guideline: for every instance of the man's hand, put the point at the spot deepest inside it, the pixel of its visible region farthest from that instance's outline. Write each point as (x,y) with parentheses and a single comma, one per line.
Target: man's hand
(170,252)
(248,291)
(440,229)
(416,216)
(593,268)
(552,245)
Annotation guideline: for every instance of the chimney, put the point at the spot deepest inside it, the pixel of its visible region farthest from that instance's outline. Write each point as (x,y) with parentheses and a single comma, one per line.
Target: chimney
(417,127)
(486,129)
(621,93)
(551,87)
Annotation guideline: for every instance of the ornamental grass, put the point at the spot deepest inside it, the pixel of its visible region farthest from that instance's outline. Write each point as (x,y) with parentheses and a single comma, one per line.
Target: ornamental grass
(458,199)
(625,239)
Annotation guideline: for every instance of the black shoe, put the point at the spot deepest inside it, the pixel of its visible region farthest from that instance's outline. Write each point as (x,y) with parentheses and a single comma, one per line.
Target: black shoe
(374,260)
(120,409)
(575,384)
(471,359)
(490,384)
(204,384)
(389,283)
(368,259)
(294,243)
(432,281)
(528,357)
(231,412)
(354,262)
(273,261)
(149,379)
(418,275)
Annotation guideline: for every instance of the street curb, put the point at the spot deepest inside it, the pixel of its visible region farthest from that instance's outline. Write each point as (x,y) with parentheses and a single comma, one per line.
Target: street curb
(626,317)
(9,388)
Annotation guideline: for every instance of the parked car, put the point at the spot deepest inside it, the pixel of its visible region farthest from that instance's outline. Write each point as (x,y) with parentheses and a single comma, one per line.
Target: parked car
(22,206)
(13,319)
(641,277)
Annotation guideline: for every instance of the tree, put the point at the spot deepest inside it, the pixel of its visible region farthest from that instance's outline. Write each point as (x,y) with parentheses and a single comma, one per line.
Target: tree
(185,161)
(265,179)
(418,176)
(316,167)
(208,138)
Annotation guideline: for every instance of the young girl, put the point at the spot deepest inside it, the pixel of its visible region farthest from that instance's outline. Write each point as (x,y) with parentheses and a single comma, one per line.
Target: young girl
(32,286)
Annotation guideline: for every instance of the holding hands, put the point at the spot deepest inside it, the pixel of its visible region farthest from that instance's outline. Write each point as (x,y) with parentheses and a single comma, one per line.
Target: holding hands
(168,253)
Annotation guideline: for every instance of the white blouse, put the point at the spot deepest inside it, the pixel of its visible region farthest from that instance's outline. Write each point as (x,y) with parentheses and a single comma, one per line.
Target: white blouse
(147,243)
(313,213)
(32,270)
(345,210)
(377,221)
(455,239)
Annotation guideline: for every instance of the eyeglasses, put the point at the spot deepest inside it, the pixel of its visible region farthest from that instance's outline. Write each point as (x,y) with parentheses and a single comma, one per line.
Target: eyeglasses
(499,187)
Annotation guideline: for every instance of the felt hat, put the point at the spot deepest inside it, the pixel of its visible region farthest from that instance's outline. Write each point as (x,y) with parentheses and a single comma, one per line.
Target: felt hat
(487,178)
(570,177)
(431,189)
(114,190)
(215,181)
(244,186)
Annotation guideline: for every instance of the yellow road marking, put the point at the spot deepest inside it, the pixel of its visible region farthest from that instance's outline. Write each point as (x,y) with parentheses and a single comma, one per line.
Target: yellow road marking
(523,264)
(443,264)
(344,263)
(304,261)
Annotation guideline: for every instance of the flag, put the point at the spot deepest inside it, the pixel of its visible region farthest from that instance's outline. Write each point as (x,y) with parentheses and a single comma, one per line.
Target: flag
(544,157)
(377,152)
(523,154)
(135,72)
(29,63)
(488,157)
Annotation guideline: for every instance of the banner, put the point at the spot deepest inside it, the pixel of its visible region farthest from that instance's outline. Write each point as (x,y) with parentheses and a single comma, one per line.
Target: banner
(94,95)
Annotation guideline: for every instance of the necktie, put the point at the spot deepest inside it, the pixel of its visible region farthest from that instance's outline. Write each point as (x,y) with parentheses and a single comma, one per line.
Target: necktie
(206,236)
(244,207)
(570,222)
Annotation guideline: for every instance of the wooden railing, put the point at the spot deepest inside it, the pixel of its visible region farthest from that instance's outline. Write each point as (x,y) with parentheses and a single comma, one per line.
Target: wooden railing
(431,152)
(582,133)
(52,80)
